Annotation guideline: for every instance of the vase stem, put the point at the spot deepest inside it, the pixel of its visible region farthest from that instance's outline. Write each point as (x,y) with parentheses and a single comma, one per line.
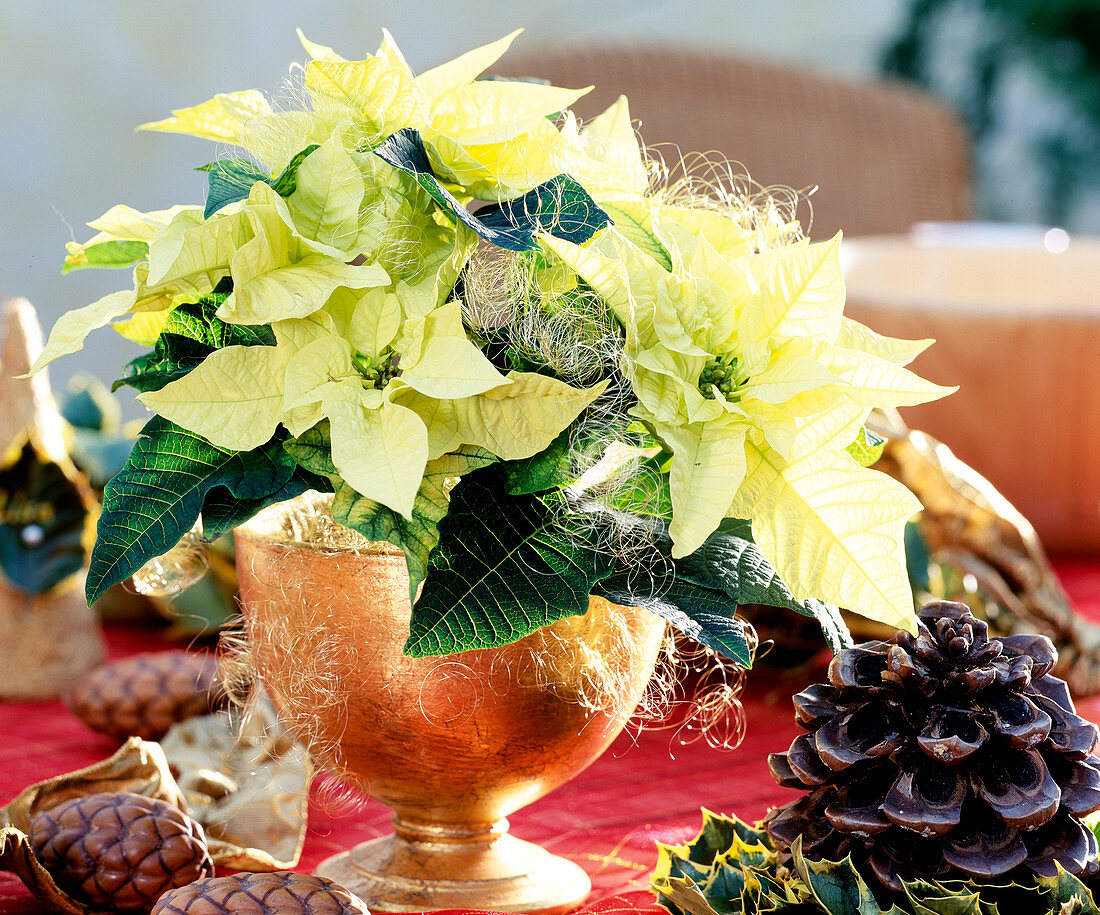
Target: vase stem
(426,865)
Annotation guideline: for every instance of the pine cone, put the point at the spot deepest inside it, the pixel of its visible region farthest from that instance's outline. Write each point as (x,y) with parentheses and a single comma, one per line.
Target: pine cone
(945,754)
(143,696)
(278,893)
(120,850)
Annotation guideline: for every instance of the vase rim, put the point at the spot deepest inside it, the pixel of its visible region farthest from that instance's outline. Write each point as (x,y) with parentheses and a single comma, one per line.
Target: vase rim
(306,521)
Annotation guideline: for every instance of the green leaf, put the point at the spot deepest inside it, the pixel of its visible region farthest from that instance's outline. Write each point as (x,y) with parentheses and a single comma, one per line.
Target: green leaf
(935,899)
(198,321)
(222,510)
(1063,887)
(115,253)
(547,470)
(156,498)
(560,206)
(867,448)
(917,557)
(230,180)
(730,563)
(634,227)
(835,885)
(42,523)
(704,614)
(192,332)
(418,536)
(502,569)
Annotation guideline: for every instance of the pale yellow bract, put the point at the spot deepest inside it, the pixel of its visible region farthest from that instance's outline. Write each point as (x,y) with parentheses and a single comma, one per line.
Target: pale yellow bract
(800,380)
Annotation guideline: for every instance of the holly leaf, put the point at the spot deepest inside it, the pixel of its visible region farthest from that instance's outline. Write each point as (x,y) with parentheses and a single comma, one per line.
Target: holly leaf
(501,570)
(42,523)
(559,207)
(157,497)
(230,180)
(1063,887)
(836,885)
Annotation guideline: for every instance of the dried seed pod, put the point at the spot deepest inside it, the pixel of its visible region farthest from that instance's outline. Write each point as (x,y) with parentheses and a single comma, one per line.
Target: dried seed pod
(947,754)
(120,850)
(143,696)
(278,893)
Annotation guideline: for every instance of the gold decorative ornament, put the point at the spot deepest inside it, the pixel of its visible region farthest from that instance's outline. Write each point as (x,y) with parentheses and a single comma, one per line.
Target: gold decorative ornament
(47,519)
(453,743)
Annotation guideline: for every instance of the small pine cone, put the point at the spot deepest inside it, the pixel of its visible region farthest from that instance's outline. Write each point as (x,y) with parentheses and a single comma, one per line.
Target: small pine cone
(944,755)
(278,893)
(121,850)
(143,696)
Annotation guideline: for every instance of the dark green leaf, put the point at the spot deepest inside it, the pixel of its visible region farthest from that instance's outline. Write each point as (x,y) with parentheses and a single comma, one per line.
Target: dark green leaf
(222,510)
(190,334)
(703,614)
(231,180)
(547,470)
(502,569)
(116,253)
(198,321)
(736,566)
(156,498)
(917,557)
(42,523)
(867,448)
(1064,886)
(312,450)
(836,885)
(559,206)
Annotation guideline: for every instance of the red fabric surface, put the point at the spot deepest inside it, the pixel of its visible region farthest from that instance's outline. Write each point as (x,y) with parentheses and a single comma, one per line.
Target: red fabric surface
(647,788)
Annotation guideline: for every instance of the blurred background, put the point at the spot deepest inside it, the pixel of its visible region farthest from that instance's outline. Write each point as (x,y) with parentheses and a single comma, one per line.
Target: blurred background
(998,119)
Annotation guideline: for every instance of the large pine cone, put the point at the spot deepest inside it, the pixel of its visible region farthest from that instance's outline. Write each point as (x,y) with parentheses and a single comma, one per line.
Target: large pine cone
(144,695)
(282,892)
(120,850)
(948,754)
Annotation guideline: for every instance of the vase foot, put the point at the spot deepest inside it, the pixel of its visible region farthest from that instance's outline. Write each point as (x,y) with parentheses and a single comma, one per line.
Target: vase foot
(424,867)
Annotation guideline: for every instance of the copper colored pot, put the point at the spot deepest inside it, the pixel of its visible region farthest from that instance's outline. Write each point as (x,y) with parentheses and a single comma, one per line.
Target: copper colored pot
(454,743)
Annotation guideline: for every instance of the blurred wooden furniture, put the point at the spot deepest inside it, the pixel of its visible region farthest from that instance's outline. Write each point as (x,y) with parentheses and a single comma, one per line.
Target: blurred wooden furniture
(883,156)
(1018,329)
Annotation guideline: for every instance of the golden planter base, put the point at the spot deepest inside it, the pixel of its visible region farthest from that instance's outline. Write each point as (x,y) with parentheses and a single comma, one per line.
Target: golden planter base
(424,866)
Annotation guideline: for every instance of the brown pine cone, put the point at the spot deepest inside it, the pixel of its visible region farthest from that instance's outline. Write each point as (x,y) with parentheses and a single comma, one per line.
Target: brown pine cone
(948,754)
(143,696)
(120,850)
(278,893)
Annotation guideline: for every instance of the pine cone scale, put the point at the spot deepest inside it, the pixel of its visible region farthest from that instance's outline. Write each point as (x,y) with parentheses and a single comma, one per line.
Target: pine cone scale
(927,799)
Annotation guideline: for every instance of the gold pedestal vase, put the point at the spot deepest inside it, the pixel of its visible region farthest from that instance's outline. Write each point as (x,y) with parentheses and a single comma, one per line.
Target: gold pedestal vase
(454,744)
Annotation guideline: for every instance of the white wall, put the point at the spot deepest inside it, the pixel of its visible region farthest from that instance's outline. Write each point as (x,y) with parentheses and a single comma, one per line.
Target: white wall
(77,77)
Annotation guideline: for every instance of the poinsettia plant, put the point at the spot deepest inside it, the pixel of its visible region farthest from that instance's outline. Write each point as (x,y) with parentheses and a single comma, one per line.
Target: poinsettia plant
(504,347)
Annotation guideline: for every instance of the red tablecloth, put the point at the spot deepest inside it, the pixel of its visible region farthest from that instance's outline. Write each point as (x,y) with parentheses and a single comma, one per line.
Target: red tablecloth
(647,788)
